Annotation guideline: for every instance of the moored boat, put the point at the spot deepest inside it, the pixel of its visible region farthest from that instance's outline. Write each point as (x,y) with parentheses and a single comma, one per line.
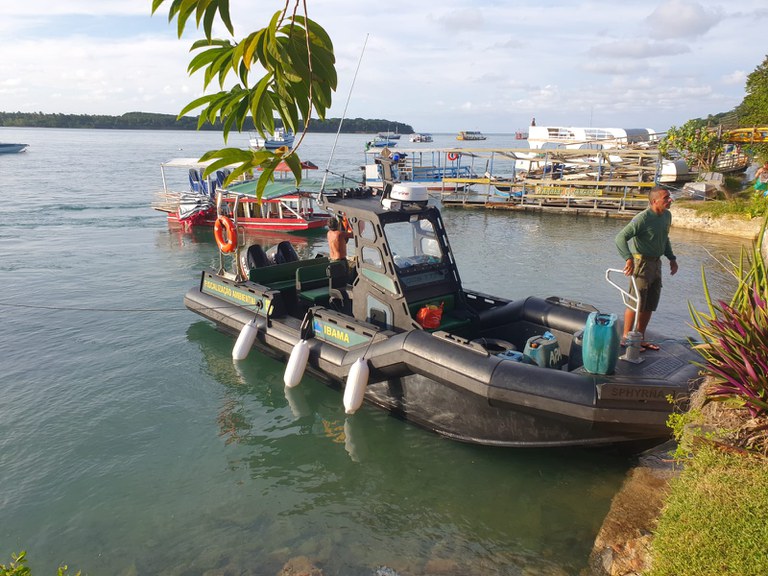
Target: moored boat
(436,169)
(395,327)
(379,142)
(8,148)
(282,206)
(280,137)
(470,135)
(423,137)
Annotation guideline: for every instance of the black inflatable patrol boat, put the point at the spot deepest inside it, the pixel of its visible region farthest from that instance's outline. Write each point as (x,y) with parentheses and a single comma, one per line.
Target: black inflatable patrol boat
(487,370)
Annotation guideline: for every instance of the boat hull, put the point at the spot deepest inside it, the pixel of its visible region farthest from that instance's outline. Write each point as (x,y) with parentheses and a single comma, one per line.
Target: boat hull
(263,224)
(12,148)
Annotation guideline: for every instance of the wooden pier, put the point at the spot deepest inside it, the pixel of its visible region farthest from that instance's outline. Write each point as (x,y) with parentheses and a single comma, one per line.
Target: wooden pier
(612,182)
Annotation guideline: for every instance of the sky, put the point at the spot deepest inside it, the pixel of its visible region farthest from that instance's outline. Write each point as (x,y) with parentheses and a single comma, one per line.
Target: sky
(488,65)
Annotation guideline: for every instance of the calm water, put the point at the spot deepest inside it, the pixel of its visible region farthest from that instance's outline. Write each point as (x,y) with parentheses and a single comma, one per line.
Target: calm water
(131,444)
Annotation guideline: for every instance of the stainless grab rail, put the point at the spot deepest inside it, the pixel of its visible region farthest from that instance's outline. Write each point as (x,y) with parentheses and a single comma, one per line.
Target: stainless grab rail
(630,301)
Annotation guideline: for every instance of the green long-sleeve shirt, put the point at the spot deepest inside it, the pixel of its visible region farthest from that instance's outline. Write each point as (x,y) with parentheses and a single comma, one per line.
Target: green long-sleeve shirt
(650,234)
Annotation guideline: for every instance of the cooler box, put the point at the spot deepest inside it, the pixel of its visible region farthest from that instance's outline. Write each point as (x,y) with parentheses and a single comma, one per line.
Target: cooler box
(601,343)
(544,350)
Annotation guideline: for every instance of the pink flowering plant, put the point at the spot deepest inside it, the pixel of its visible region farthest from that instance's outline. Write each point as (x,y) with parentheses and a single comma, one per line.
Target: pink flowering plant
(735,335)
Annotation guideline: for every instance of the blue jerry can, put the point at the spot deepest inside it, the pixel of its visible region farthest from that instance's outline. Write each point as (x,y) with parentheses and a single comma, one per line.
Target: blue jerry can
(601,343)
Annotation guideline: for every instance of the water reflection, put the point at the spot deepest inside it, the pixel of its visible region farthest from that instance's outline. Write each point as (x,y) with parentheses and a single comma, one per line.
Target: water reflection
(406,497)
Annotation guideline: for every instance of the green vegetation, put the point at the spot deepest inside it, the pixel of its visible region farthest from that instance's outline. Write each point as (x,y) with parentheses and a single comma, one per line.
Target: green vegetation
(299,77)
(147,121)
(699,146)
(18,567)
(750,207)
(715,521)
(735,334)
(753,110)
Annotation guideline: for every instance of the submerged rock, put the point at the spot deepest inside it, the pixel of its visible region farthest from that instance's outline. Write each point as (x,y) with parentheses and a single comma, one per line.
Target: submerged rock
(300,566)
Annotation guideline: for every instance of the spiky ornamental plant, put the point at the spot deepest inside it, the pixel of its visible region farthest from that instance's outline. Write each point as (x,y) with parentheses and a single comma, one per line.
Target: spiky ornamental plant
(735,334)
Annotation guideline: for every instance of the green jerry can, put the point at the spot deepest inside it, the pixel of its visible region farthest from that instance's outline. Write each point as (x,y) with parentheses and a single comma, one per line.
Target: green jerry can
(601,343)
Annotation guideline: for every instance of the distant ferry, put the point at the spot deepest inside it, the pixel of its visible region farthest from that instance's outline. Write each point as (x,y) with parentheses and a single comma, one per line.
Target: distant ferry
(470,135)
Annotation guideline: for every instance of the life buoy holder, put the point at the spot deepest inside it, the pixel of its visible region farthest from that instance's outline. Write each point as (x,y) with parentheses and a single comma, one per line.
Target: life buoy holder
(224,224)
(452,156)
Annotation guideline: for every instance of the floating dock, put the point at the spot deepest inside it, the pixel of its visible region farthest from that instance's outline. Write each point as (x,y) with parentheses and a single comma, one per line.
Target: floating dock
(598,182)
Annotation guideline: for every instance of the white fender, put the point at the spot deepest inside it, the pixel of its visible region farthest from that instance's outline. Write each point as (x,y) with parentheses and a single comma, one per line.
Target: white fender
(297,362)
(245,340)
(354,390)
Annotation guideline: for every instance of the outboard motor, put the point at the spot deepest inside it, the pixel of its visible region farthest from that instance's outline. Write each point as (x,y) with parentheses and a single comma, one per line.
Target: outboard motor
(285,253)
(256,257)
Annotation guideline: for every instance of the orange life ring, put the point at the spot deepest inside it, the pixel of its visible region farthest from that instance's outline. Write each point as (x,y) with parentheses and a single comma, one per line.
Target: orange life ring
(225,224)
(452,156)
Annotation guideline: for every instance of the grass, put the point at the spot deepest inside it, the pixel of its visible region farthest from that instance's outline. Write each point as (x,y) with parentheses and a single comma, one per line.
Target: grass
(715,521)
(747,207)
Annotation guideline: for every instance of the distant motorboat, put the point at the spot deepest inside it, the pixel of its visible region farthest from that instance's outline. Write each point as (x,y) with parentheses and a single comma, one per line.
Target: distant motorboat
(421,137)
(7,148)
(280,137)
(470,135)
(380,142)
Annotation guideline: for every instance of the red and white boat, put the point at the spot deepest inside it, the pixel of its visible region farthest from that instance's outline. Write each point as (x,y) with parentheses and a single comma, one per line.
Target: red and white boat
(283,207)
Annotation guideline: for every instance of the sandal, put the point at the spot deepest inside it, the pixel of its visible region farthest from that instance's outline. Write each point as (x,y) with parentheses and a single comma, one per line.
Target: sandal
(649,346)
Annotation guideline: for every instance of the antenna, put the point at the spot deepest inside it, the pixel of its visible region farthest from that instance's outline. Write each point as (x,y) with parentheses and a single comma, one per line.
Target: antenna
(343,115)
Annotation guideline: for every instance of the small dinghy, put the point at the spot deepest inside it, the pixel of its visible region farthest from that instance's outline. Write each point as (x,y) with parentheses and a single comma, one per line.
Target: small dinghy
(395,328)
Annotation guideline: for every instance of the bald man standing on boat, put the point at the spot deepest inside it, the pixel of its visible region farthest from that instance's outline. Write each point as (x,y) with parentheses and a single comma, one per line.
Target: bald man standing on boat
(649,231)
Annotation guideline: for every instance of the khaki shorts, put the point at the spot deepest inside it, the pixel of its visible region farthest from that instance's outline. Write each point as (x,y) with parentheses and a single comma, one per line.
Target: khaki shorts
(648,278)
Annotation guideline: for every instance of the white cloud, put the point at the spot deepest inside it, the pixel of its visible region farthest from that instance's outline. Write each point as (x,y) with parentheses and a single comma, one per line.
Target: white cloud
(682,19)
(735,78)
(639,48)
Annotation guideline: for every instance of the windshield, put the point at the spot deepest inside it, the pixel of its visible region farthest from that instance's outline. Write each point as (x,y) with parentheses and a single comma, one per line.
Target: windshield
(415,251)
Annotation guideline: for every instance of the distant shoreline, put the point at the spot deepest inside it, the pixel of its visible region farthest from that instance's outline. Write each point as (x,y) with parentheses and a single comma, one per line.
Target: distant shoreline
(149,121)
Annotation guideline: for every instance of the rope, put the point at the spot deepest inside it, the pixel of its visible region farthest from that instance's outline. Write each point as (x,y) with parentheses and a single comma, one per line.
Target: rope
(121,310)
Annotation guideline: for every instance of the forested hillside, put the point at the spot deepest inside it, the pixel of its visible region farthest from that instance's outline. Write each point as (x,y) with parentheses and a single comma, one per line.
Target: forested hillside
(147,121)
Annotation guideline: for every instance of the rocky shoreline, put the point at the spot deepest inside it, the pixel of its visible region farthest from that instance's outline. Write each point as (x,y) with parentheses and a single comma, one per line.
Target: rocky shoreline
(740,227)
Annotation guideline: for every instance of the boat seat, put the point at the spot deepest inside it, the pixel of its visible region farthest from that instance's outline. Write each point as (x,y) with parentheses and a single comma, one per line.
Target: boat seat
(334,291)
(312,283)
(282,276)
(194,181)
